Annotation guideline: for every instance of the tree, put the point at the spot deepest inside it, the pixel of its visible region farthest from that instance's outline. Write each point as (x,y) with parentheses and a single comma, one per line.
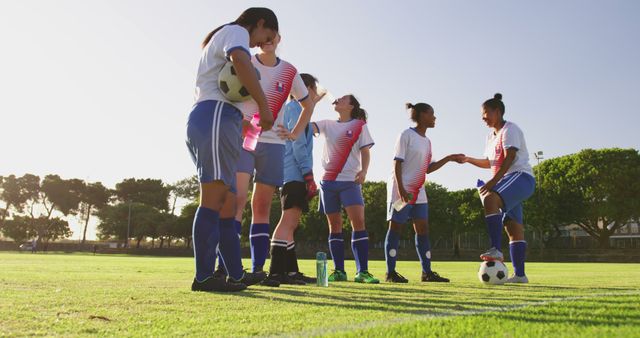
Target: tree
(151,192)
(17,229)
(597,190)
(17,191)
(375,212)
(92,195)
(114,221)
(188,188)
(184,223)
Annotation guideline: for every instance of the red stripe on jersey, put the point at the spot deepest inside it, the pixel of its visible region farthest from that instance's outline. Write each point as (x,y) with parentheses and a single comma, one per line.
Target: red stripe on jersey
(277,92)
(417,182)
(344,144)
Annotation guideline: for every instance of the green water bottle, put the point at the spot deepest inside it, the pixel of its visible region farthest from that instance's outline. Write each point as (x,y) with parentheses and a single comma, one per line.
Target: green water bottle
(321,269)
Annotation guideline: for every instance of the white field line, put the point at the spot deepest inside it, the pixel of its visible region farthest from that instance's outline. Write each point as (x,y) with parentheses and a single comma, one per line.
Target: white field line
(430,315)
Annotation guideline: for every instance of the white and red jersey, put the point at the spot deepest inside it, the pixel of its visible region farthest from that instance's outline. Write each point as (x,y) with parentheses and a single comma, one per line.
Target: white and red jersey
(214,56)
(277,82)
(414,151)
(341,153)
(510,136)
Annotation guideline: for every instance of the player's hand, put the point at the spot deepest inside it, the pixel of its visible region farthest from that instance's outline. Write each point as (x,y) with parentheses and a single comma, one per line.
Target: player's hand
(406,197)
(486,188)
(312,188)
(457,158)
(266,119)
(283,133)
(361,176)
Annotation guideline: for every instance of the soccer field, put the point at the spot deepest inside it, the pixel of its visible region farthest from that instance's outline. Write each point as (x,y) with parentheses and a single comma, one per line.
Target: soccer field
(80,295)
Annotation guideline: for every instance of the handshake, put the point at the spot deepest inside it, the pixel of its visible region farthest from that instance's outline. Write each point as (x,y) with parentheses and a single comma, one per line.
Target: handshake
(460,158)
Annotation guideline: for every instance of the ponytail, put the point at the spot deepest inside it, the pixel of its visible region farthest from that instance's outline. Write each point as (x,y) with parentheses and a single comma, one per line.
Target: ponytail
(357,112)
(249,19)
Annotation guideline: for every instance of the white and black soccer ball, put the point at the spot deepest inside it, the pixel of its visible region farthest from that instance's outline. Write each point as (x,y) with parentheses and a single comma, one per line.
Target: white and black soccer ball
(231,86)
(493,272)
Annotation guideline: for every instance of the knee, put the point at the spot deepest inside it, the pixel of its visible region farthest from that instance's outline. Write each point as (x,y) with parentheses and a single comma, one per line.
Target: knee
(492,203)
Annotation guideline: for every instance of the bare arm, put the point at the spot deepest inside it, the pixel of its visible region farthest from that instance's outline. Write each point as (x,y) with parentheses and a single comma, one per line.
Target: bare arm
(397,173)
(437,165)
(506,164)
(365,157)
(249,78)
(478,162)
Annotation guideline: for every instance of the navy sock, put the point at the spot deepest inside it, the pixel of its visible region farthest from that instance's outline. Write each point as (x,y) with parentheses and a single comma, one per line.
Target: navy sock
(423,248)
(292,259)
(278,262)
(517,250)
(206,234)
(360,248)
(229,249)
(259,240)
(391,249)
(494,230)
(336,247)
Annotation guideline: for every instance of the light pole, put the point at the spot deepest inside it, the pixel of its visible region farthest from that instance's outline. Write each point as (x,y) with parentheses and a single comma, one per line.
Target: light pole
(539,155)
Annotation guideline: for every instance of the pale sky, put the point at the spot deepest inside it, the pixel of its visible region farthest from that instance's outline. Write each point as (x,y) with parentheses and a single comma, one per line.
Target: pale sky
(101,90)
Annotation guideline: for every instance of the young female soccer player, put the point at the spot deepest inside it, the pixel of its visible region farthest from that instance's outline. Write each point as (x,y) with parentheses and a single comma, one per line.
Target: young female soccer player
(345,161)
(213,139)
(299,187)
(512,183)
(279,79)
(412,162)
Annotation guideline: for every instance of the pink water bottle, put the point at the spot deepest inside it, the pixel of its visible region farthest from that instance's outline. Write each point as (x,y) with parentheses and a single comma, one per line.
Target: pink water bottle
(252,134)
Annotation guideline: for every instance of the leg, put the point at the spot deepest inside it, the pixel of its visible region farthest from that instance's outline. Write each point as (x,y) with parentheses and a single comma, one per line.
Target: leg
(423,246)
(229,251)
(359,237)
(281,261)
(259,239)
(493,217)
(391,245)
(517,244)
(336,242)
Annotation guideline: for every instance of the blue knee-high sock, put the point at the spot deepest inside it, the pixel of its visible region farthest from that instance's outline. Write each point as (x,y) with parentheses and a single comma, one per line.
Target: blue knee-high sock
(518,249)
(206,234)
(238,227)
(423,248)
(229,249)
(259,239)
(360,248)
(391,249)
(336,247)
(494,229)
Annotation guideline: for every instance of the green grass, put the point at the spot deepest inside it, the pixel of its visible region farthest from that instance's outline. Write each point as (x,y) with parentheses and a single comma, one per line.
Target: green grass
(80,295)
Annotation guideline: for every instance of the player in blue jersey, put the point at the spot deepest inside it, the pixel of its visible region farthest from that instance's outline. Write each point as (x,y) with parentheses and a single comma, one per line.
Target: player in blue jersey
(512,183)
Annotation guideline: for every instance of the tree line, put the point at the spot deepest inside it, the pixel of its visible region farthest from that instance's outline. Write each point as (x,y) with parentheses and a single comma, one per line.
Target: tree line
(597,190)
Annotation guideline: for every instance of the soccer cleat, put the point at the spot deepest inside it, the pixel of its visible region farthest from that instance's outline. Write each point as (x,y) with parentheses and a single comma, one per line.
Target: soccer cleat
(217,285)
(394,277)
(251,278)
(270,281)
(433,276)
(302,277)
(492,254)
(365,277)
(517,279)
(219,273)
(338,276)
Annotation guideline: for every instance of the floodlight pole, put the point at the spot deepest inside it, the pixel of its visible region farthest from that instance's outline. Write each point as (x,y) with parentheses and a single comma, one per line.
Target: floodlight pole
(539,155)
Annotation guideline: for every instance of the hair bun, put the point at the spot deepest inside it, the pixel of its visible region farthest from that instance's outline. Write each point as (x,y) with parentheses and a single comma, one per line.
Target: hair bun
(409,106)
(498,96)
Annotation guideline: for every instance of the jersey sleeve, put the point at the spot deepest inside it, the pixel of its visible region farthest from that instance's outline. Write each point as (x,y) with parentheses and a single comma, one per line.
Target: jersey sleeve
(298,89)
(234,37)
(321,126)
(401,148)
(365,140)
(512,138)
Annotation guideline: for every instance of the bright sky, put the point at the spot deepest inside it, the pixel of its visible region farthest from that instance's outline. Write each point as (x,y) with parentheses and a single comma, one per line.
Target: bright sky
(101,90)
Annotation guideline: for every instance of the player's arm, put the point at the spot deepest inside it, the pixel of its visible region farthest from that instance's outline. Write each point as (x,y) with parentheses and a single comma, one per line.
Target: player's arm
(437,165)
(397,174)
(506,164)
(478,162)
(249,79)
(308,105)
(365,158)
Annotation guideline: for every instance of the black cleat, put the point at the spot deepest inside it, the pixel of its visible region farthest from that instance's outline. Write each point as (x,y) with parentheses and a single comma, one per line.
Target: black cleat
(271,281)
(251,278)
(219,273)
(394,277)
(217,285)
(433,277)
(306,279)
